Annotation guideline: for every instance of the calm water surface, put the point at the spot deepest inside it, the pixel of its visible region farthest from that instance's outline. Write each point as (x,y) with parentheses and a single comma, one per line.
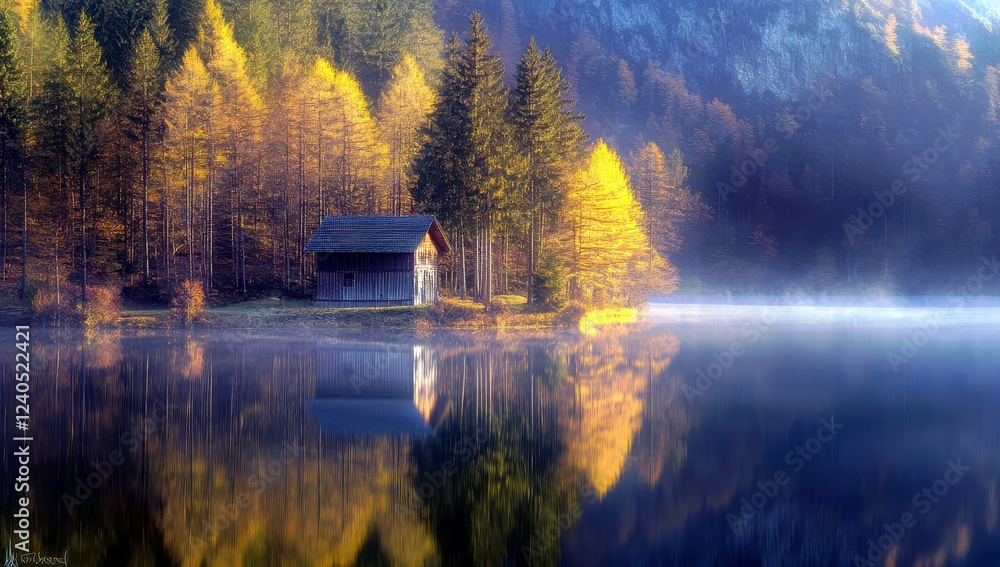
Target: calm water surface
(667,445)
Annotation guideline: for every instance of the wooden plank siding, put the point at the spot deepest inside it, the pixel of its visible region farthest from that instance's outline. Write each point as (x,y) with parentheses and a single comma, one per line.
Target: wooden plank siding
(380,280)
(377,261)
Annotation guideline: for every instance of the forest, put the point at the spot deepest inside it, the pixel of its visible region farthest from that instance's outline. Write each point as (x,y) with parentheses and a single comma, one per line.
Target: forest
(146,147)
(571,157)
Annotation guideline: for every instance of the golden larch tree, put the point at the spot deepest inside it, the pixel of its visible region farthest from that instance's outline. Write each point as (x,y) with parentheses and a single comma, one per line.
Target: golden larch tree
(403,109)
(609,260)
(350,158)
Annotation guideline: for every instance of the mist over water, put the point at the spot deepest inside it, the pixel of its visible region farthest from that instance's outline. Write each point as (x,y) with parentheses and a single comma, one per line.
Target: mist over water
(873,313)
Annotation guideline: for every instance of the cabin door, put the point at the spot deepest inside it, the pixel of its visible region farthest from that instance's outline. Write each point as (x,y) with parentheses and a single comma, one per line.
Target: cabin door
(421,288)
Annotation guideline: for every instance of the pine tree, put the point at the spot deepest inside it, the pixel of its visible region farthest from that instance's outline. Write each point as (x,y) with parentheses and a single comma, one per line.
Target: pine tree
(369,37)
(424,40)
(40,44)
(162,34)
(286,153)
(146,83)
(658,182)
(438,185)
(550,139)
(91,98)
(256,30)
(238,116)
(462,171)
(403,111)
(13,113)
(49,150)
(489,140)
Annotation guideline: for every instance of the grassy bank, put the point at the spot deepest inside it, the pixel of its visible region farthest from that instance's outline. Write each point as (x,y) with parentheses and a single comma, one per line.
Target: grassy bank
(508,312)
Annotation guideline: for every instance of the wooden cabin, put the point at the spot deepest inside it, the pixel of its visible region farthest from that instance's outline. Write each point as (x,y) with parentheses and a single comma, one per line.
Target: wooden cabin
(377,261)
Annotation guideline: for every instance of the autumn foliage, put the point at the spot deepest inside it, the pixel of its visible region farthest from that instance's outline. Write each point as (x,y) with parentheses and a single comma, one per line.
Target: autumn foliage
(188,303)
(608,254)
(103,307)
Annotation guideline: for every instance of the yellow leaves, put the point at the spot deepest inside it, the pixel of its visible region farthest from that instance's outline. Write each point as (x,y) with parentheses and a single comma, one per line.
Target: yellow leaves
(189,91)
(611,260)
(889,35)
(595,318)
(349,141)
(403,110)
(936,35)
(26,11)
(404,107)
(609,394)
(226,62)
(960,56)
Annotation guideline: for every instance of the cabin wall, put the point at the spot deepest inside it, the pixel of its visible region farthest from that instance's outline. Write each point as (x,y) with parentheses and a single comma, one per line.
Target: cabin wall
(364,280)
(425,272)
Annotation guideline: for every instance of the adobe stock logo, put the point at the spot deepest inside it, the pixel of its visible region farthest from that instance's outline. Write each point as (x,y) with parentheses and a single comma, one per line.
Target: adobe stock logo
(796,459)
(913,169)
(893,533)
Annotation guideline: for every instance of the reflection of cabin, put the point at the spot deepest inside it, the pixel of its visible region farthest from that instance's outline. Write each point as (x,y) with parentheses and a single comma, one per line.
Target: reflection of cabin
(377,261)
(376,389)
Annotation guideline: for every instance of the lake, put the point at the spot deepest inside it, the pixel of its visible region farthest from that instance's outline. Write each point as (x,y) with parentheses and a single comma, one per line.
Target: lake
(740,441)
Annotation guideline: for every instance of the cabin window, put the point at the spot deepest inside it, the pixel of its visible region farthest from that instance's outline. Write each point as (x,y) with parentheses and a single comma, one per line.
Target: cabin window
(349,279)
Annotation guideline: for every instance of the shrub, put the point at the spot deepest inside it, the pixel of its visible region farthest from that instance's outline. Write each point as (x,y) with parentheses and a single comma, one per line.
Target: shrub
(49,307)
(550,281)
(188,303)
(103,307)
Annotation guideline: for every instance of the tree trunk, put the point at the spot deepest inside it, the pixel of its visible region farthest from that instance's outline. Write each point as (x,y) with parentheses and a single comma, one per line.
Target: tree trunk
(24,239)
(82,183)
(145,205)
(488,264)
(461,238)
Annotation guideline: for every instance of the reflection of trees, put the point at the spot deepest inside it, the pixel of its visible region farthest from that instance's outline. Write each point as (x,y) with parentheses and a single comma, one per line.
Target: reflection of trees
(190,359)
(102,349)
(610,377)
(321,509)
(332,505)
(566,415)
(563,413)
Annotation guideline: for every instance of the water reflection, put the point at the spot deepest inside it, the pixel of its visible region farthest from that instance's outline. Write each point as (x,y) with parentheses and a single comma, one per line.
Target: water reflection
(456,449)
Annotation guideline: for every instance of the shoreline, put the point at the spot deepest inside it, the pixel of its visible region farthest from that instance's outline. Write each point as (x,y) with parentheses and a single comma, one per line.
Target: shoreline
(449,314)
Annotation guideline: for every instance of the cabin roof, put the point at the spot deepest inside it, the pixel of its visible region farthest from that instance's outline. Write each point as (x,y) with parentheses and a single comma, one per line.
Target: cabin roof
(376,234)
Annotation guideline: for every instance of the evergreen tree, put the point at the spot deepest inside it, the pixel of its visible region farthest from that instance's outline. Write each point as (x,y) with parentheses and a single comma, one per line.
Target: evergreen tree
(13,113)
(286,151)
(550,139)
(659,185)
(369,37)
(256,31)
(438,178)
(162,35)
(146,83)
(91,98)
(461,172)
